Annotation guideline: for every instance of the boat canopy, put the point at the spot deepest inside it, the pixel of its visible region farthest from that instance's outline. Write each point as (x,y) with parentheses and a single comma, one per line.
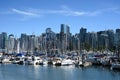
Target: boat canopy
(20,55)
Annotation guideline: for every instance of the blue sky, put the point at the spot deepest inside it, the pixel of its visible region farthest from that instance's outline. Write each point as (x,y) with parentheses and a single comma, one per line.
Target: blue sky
(34,16)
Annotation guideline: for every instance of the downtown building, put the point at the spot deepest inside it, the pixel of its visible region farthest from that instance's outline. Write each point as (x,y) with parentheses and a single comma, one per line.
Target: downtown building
(65,38)
(50,42)
(28,43)
(117,42)
(3,42)
(10,43)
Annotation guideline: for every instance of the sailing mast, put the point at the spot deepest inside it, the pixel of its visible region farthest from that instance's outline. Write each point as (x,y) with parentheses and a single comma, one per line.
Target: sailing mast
(18,46)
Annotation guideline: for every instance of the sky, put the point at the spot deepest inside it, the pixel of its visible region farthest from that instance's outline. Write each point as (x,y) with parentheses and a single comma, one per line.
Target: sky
(34,16)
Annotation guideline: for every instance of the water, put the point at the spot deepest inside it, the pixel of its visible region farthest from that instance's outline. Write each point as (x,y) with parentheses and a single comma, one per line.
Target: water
(29,72)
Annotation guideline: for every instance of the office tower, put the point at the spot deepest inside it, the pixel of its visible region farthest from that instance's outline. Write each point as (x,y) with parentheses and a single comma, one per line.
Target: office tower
(50,40)
(11,43)
(24,42)
(117,42)
(3,42)
(82,36)
(110,38)
(64,37)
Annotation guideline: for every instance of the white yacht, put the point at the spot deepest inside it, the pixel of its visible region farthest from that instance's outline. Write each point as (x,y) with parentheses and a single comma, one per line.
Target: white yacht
(6,59)
(33,60)
(17,60)
(66,62)
(43,61)
(57,61)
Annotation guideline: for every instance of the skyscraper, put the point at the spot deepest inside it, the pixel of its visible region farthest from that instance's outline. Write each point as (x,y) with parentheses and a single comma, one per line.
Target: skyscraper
(3,42)
(64,37)
(82,36)
(11,43)
(24,42)
(65,29)
(117,42)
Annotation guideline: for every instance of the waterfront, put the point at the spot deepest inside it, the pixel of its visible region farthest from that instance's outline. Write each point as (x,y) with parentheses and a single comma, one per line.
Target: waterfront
(37,72)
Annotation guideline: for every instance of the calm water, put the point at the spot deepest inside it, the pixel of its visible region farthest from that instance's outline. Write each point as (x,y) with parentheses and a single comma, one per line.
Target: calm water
(29,72)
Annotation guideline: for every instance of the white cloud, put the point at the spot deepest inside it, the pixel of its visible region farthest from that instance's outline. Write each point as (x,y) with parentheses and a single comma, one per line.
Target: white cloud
(70,12)
(102,11)
(26,13)
(77,13)
(64,10)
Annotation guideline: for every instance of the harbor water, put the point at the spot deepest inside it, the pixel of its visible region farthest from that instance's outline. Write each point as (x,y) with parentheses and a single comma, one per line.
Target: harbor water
(30,72)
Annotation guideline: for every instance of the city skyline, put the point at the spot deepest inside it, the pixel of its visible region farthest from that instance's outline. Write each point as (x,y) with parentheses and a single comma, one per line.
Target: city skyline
(28,16)
(63,41)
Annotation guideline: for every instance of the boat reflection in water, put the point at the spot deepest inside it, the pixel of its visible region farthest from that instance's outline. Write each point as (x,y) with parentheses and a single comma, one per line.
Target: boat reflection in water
(38,72)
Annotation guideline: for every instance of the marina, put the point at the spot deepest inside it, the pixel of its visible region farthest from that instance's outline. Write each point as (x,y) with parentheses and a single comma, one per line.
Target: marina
(87,59)
(60,40)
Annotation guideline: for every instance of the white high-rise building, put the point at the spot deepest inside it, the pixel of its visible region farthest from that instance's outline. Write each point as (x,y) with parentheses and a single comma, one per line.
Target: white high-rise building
(11,43)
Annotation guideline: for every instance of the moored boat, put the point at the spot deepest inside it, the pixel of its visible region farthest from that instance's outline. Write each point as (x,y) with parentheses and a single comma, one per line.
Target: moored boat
(34,60)
(67,62)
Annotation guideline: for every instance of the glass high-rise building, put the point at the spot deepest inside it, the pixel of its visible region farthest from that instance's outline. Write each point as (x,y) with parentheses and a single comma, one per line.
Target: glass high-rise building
(64,36)
(65,29)
(4,40)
